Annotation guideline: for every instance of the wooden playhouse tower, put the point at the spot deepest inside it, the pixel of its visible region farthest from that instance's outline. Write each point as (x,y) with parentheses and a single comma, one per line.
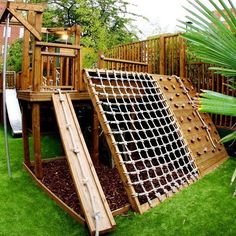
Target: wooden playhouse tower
(158,141)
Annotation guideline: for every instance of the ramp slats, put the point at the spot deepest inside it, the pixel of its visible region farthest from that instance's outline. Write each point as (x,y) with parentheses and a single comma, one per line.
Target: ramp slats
(91,197)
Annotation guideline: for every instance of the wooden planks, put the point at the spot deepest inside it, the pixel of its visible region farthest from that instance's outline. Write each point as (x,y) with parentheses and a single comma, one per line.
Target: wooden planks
(205,155)
(106,221)
(124,65)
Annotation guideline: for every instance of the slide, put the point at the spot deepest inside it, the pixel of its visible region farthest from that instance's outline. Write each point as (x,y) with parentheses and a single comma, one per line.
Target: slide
(14,112)
(92,199)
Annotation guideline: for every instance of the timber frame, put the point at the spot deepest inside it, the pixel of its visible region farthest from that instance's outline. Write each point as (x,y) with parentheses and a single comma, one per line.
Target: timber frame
(48,66)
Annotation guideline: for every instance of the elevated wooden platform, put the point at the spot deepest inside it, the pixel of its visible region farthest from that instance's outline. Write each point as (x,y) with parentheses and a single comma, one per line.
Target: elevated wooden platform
(43,96)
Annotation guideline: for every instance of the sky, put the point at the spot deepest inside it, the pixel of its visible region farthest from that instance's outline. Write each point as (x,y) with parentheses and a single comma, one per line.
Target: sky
(162,15)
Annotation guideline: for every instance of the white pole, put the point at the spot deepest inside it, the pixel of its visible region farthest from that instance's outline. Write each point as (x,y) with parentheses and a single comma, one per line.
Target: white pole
(4,95)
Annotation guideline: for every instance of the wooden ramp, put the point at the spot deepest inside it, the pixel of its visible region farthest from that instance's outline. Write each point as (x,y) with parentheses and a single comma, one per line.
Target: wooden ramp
(95,208)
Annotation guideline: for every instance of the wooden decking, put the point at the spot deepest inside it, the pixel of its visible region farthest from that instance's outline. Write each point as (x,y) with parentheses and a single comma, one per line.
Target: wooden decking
(43,96)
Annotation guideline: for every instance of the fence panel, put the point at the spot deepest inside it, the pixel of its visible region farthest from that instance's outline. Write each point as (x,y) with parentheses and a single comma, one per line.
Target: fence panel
(166,54)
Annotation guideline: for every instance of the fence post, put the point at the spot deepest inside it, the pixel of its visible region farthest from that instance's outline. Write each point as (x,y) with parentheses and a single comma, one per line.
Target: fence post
(37,69)
(182,58)
(162,55)
(100,60)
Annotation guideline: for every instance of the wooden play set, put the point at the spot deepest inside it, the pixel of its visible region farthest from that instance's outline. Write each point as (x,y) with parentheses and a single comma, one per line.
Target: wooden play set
(159,142)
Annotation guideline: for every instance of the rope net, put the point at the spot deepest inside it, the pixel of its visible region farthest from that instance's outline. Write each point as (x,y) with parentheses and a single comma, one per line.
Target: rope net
(153,153)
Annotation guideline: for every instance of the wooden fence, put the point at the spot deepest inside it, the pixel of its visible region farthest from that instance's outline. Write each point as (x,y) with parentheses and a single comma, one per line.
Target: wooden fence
(167,55)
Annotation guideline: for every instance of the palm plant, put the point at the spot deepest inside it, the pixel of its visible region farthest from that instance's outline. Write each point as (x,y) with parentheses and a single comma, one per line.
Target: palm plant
(214,41)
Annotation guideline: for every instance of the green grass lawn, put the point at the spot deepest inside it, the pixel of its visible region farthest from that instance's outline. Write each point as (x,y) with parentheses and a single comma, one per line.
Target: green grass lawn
(205,208)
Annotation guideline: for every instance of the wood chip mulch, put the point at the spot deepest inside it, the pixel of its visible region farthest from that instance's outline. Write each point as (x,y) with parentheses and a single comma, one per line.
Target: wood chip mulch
(58,179)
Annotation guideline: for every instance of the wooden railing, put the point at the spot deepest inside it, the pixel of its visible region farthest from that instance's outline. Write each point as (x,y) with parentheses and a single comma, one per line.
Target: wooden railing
(54,66)
(202,78)
(60,66)
(123,65)
(167,55)
(164,54)
(11,80)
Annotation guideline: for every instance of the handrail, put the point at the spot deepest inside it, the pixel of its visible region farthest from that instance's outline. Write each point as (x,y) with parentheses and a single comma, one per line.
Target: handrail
(57,45)
(123,61)
(57,54)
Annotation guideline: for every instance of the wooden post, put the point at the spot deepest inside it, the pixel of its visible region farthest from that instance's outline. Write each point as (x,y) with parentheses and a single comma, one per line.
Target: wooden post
(182,59)
(95,139)
(149,67)
(37,75)
(162,55)
(25,57)
(36,141)
(78,80)
(25,135)
(100,60)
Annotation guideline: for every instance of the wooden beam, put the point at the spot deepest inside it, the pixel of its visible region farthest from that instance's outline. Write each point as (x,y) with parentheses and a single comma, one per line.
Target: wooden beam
(36,140)
(37,76)
(95,139)
(182,58)
(123,61)
(27,6)
(54,197)
(162,55)
(100,60)
(57,45)
(25,56)
(26,24)
(25,135)
(4,14)
(37,59)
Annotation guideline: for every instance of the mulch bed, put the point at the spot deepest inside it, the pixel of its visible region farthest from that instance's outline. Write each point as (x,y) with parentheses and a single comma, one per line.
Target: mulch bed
(58,179)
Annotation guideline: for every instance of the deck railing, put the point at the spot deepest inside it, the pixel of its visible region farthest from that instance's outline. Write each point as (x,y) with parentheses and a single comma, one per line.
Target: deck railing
(52,66)
(123,65)
(60,66)
(11,81)
(167,55)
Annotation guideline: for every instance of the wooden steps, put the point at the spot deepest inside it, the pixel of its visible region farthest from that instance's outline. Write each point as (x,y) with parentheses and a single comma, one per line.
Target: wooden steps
(87,185)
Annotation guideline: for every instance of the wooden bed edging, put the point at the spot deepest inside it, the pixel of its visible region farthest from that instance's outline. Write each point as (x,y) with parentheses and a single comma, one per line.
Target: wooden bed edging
(66,208)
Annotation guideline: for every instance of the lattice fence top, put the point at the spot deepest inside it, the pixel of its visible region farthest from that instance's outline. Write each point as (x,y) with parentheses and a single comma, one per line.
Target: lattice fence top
(147,145)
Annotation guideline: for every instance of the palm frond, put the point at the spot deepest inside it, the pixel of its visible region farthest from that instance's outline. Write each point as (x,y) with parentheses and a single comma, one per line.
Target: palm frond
(211,40)
(229,137)
(217,103)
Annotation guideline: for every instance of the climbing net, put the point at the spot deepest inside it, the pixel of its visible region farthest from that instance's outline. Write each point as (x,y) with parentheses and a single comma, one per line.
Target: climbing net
(153,153)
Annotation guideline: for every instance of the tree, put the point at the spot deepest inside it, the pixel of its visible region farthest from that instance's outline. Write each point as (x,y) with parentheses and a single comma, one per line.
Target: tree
(14,58)
(104,23)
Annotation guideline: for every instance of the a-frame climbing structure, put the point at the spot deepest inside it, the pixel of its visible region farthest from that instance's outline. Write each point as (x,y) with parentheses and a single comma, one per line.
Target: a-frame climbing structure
(159,142)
